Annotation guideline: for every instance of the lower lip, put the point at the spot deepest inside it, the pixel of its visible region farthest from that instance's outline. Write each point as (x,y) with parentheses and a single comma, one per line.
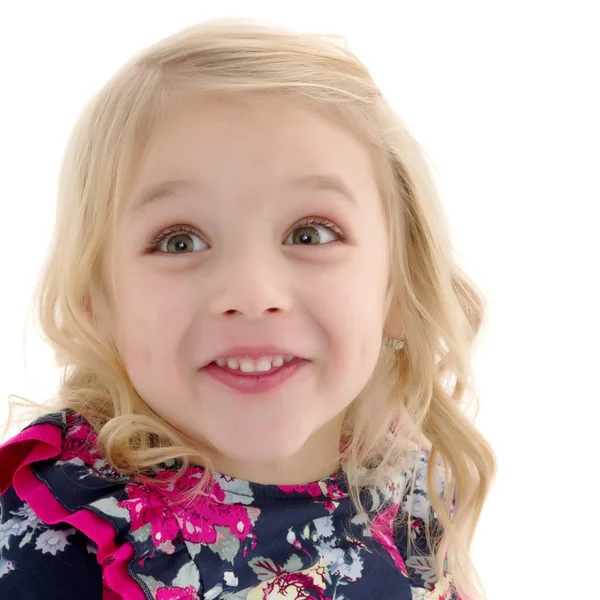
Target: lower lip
(255,383)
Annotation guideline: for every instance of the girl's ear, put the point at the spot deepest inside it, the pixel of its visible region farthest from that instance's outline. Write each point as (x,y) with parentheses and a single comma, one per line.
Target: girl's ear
(394,331)
(93,312)
(87,305)
(98,318)
(394,325)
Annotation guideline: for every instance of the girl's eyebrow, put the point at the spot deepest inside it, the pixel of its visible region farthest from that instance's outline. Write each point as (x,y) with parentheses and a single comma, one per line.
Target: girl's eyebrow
(168,188)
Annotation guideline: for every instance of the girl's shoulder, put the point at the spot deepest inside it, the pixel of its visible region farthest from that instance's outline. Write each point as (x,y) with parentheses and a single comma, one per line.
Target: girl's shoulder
(38,560)
(55,471)
(51,544)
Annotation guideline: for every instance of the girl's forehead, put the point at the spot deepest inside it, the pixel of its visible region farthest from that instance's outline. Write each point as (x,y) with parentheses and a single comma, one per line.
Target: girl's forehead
(294,145)
(272,118)
(217,126)
(163,191)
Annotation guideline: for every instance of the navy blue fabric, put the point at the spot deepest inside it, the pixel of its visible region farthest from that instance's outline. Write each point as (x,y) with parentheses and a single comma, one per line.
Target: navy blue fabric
(249,538)
(27,573)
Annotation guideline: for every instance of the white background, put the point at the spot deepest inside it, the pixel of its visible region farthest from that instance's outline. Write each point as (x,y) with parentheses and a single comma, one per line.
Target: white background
(504,97)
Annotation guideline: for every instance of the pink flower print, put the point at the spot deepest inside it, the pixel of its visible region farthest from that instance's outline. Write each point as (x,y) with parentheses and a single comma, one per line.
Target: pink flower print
(196,519)
(328,488)
(197,526)
(298,586)
(313,489)
(185,482)
(308,584)
(198,523)
(80,442)
(415,528)
(334,491)
(176,593)
(144,507)
(382,532)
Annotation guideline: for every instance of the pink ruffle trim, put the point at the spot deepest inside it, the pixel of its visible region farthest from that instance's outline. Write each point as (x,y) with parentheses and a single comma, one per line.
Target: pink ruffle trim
(42,442)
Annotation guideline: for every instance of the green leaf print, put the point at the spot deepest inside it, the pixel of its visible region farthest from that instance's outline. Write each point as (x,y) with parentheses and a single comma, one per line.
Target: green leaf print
(264,568)
(293,564)
(143,533)
(188,575)
(228,545)
(110,507)
(424,566)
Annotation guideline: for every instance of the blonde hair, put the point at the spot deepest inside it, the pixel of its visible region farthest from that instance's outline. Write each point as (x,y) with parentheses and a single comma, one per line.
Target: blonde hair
(415,397)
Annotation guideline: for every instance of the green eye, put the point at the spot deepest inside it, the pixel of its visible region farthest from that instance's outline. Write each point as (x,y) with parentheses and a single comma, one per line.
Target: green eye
(314,233)
(178,240)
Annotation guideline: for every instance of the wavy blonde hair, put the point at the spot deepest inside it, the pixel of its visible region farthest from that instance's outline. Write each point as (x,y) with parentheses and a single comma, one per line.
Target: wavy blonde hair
(415,397)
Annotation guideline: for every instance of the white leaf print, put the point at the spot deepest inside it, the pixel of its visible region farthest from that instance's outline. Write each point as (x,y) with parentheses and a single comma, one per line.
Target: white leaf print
(109,506)
(6,566)
(291,536)
(346,563)
(25,513)
(142,533)
(418,593)
(360,519)
(324,526)
(214,592)
(264,568)
(424,567)
(228,545)
(352,571)
(151,583)
(14,527)
(376,499)
(26,539)
(418,508)
(194,549)
(53,540)
(72,461)
(235,490)
(293,564)
(188,575)
(5,534)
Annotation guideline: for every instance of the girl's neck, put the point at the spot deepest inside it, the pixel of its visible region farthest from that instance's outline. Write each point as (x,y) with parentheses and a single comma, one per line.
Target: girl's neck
(317,459)
(283,473)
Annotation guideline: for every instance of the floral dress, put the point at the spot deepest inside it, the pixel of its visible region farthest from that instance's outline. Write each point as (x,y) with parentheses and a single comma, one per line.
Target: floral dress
(74,529)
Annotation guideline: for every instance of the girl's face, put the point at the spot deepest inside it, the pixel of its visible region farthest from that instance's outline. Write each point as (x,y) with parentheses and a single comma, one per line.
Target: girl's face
(272,244)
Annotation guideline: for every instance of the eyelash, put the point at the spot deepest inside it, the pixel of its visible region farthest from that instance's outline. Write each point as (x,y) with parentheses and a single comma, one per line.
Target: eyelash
(155,242)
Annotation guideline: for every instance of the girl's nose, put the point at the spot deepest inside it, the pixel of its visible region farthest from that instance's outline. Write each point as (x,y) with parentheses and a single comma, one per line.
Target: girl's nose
(251,285)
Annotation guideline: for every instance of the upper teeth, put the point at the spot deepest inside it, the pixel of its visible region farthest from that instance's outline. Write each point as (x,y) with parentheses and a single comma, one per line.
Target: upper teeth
(250,365)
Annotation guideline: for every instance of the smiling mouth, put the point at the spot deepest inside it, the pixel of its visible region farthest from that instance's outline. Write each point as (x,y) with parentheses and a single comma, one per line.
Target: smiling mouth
(264,364)
(252,376)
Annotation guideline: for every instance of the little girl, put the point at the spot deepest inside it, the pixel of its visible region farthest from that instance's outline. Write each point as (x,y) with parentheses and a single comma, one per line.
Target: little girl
(276,411)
